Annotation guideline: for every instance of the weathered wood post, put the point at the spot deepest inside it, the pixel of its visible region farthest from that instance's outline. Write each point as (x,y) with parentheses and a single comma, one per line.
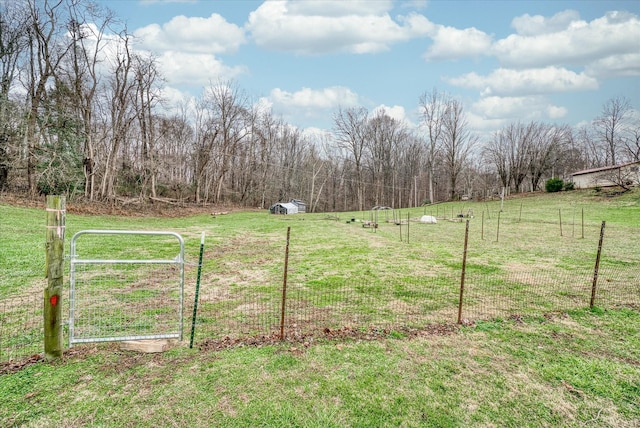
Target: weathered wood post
(54,267)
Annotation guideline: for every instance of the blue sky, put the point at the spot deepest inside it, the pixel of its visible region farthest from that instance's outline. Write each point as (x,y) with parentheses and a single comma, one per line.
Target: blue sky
(554,61)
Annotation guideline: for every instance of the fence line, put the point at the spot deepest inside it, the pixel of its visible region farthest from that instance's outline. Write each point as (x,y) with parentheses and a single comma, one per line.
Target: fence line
(522,286)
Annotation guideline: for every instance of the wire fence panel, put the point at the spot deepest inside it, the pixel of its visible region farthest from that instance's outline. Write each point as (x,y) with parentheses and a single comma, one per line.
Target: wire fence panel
(358,303)
(618,286)
(21,326)
(237,310)
(528,291)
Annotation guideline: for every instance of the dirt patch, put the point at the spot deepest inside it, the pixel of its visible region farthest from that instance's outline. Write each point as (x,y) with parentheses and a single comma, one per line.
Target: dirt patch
(338,334)
(127,208)
(15,366)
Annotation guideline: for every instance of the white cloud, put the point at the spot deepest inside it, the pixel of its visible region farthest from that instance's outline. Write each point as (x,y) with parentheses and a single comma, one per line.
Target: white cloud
(452,43)
(527,25)
(564,39)
(556,112)
(336,8)
(309,104)
(316,27)
(199,35)
(495,110)
(615,66)
(307,98)
(505,81)
(395,112)
(181,68)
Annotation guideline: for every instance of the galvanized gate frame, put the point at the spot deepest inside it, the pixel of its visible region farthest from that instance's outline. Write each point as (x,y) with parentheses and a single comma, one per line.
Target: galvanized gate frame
(75,260)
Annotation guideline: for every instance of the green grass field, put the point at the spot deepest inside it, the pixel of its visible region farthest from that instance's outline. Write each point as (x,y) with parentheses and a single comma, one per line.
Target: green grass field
(540,367)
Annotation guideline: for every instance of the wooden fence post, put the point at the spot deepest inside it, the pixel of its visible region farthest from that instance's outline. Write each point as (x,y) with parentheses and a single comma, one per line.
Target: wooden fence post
(54,266)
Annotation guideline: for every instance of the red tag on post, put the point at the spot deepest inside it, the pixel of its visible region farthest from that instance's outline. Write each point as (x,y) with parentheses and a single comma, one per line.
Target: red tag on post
(54,299)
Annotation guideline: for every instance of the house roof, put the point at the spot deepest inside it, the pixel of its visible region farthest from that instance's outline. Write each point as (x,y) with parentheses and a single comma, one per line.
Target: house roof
(604,168)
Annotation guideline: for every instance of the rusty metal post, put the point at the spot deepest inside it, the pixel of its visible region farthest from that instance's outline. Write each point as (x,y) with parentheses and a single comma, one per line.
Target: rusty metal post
(498,229)
(597,267)
(464,269)
(408,221)
(284,285)
(560,216)
(482,227)
(583,223)
(520,216)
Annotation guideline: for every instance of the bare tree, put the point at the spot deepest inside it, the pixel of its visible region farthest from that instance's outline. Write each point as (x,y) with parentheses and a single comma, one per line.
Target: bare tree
(433,106)
(350,129)
(47,49)
(387,140)
(547,142)
(176,143)
(610,126)
(148,79)
(457,142)
(230,111)
(122,114)
(497,154)
(13,42)
(206,134)
(87,26)
(632,143)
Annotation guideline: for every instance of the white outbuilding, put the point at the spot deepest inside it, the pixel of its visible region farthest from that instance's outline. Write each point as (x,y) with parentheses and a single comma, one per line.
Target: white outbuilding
(284,208)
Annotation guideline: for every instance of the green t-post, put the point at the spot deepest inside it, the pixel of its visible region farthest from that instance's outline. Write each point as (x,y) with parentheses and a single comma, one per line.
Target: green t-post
(195,301)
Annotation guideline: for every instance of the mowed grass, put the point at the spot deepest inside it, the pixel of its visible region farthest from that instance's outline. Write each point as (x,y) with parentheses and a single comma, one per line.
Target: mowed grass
(575,368)
(580,369)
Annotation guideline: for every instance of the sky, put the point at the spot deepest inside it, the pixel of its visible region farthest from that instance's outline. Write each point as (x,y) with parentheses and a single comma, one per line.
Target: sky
(507,61)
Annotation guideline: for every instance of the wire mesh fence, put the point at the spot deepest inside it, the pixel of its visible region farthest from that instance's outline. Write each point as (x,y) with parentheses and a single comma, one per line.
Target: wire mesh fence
(534,277)
(21,326)
(125,301)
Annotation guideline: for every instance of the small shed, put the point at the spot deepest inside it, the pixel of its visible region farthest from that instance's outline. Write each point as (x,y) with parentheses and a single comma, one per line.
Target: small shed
(302,207)
(283,208)
(627,174)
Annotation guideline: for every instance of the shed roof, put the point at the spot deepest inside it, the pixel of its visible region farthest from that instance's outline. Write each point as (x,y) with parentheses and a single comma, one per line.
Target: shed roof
(603,168)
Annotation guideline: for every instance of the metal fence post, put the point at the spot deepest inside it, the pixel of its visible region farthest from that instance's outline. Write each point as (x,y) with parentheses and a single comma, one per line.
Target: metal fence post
(560,217)
(284,285)
(54,266)
(597,267)
(464,267)
(195,300)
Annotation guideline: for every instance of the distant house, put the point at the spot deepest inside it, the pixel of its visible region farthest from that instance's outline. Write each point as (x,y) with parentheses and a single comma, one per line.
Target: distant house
(302,207)
(283,208)
(627,174)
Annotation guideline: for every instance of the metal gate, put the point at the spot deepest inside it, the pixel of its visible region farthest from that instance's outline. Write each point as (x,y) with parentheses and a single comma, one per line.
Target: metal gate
(134,296)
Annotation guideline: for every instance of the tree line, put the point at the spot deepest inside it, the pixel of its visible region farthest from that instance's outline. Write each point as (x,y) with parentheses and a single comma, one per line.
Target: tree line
(82,114)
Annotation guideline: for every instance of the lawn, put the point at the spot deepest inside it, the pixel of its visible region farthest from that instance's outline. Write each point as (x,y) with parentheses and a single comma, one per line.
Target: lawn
(521,359)
(579,369)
